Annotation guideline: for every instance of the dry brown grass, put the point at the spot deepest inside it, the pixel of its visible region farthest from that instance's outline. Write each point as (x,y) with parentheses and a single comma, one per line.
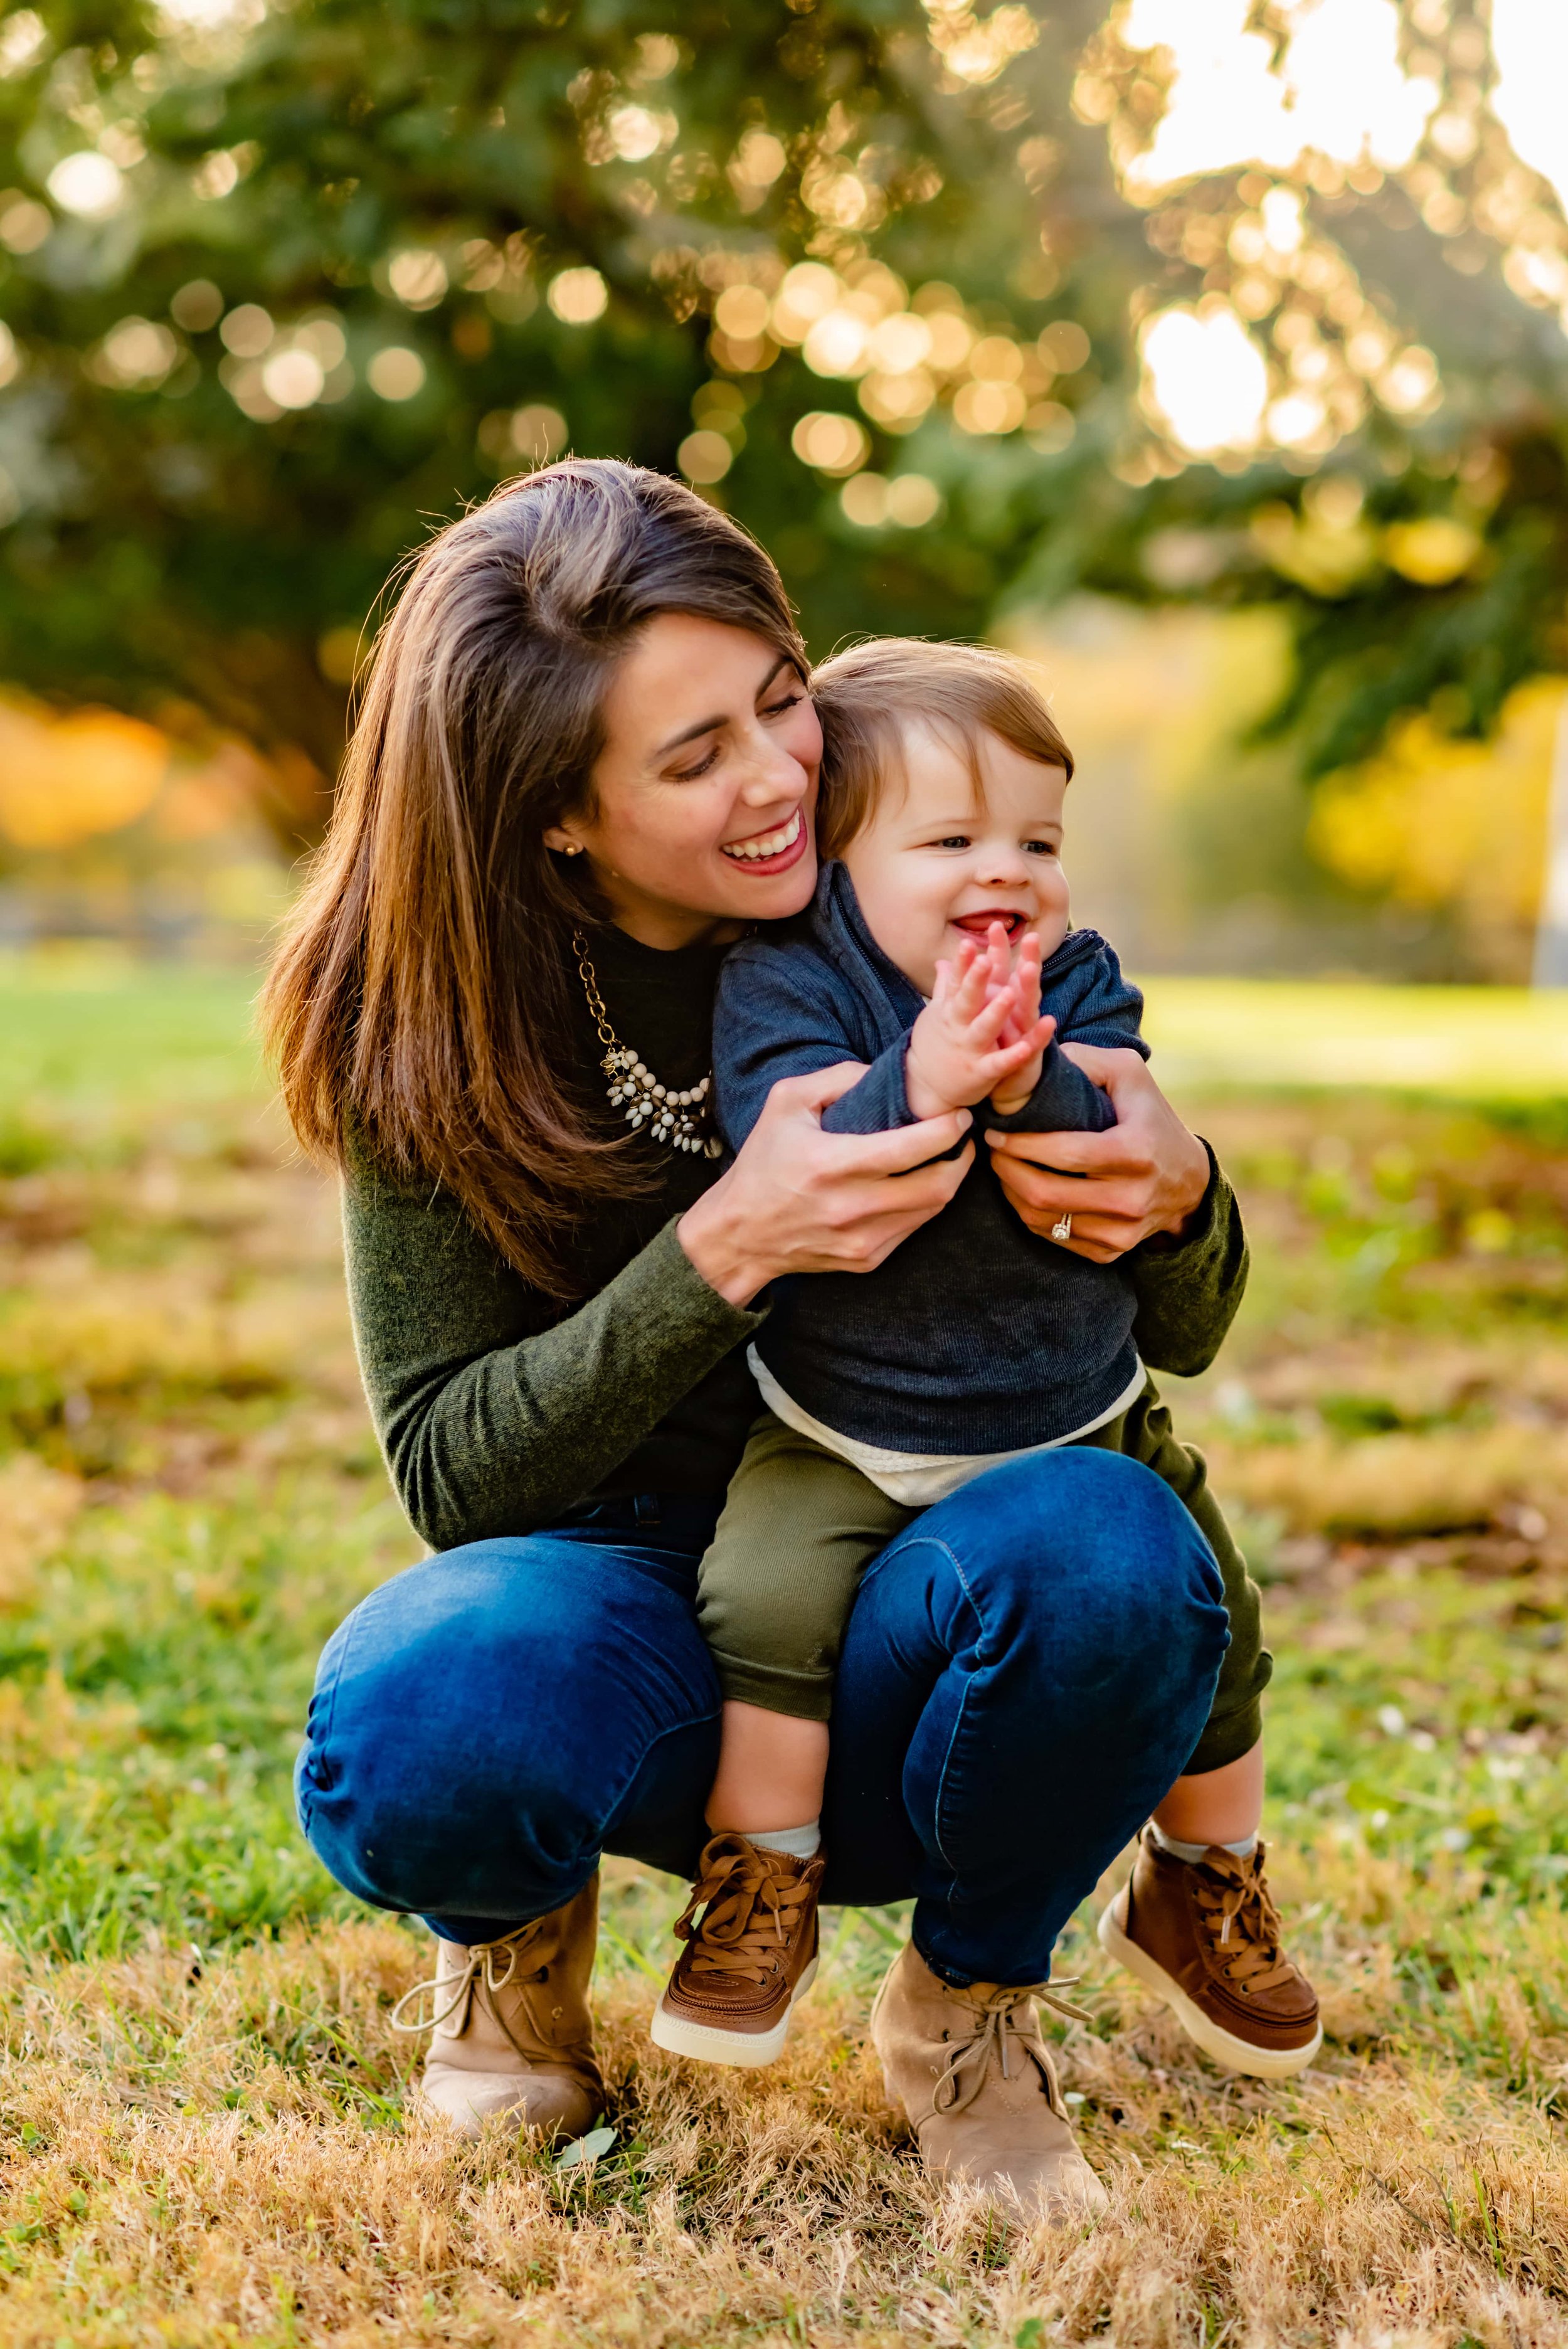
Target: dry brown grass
(180,2168)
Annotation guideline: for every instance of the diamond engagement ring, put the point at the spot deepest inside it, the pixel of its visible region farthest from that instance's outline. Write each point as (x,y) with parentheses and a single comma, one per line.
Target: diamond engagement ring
(1062,1229)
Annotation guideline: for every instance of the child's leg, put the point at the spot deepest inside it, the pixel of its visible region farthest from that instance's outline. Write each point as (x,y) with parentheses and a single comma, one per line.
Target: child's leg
(768,1785)
(1219,1798)
(1224,1805)
(1197,1922)
(774,1592)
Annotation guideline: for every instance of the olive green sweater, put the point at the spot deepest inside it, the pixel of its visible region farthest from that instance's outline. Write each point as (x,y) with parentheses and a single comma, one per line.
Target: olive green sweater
(498,1410)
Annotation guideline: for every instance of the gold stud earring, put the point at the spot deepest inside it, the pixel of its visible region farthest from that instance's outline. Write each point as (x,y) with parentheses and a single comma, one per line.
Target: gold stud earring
(572,849)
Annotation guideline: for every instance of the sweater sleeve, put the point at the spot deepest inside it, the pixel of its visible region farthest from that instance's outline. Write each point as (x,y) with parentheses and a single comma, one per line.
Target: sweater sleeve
(1092,1003)
(1064,1101)
(778,1016)
(491,1424)
(1188,1290)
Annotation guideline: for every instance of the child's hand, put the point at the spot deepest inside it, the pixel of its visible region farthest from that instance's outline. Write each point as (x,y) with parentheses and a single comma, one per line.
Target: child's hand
(955,1055)
(1024,1018)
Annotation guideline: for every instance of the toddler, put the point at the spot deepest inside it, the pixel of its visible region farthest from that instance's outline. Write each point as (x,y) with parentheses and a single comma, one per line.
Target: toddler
(939,952)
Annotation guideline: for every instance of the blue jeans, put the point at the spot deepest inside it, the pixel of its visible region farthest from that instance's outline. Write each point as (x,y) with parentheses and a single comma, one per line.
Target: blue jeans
(1026,1670)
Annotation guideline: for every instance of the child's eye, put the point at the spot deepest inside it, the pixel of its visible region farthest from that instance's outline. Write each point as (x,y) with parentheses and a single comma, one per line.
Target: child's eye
(1040,847)
(956,839)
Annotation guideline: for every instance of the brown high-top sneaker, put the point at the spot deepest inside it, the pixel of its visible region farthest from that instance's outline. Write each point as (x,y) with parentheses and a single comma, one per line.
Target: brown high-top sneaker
(748,1958)
(510,2028)
(975,2078)
(1204,1936)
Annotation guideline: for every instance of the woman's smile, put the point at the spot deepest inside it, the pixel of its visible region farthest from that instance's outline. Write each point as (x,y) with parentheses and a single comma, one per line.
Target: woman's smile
(769,851)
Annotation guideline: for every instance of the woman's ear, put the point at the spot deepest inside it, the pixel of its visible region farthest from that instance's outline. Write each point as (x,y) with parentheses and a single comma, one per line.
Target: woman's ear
(558,837)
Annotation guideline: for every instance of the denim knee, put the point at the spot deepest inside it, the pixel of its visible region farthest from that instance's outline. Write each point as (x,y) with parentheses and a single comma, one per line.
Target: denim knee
(1089,1551)
(483,1722)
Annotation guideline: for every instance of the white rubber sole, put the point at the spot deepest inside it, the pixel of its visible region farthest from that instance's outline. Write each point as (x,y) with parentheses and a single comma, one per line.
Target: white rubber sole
(1235,2054)
(701,2044)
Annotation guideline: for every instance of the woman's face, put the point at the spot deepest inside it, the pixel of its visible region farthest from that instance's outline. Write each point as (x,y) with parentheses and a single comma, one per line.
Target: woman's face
(704,793)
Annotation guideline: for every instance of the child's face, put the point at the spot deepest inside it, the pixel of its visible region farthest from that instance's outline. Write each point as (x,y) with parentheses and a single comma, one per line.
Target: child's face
(932,869)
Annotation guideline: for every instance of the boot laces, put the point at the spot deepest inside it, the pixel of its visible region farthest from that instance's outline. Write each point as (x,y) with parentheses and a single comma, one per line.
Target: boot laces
(1238,1912)
(752,1911)
(1006,2027)
(492,1966)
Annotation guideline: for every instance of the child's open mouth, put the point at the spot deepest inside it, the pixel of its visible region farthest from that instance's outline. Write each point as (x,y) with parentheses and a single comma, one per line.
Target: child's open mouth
(979,925)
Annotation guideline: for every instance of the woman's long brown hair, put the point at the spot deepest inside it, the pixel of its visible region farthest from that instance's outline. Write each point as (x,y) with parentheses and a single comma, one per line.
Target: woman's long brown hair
(419,1007)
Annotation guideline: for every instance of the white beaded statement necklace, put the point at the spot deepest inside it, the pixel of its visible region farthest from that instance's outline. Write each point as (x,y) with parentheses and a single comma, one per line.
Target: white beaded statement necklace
(678,1119)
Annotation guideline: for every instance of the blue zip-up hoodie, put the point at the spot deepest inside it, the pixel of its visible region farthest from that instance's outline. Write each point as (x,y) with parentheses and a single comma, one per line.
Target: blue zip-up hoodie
(975,1336)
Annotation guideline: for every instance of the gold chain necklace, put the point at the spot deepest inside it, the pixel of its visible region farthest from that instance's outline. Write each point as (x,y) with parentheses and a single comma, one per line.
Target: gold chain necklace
(677,1118)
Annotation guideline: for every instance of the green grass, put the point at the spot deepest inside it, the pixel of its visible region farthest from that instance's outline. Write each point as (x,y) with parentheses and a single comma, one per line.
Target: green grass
(94,1041)
(1489,1044)
(176,1380)
(203,2131)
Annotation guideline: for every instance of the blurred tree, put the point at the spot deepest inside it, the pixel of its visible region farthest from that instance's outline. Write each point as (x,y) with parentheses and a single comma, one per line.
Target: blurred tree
(286,289)
(907,286)
(1359,209)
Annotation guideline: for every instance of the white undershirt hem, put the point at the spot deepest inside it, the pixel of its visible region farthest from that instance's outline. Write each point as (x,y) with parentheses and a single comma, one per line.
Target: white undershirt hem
(917,1479)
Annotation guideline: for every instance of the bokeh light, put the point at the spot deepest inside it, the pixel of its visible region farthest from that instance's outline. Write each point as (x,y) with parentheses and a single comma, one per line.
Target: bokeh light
(294,378)
(704,457)
(1336,85)
(197,307)
(578,296)
(87,184)
(538,432)
(1530,43)
(135,355)
(831,442)
(1206,379)
(396,372)
(417,277)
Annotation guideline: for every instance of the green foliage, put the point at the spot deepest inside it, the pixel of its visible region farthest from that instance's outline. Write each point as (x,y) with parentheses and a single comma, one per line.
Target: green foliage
(168,540)
(171,537)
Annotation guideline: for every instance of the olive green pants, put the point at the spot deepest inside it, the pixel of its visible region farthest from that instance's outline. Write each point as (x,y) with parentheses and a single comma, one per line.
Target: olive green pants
(800,1526)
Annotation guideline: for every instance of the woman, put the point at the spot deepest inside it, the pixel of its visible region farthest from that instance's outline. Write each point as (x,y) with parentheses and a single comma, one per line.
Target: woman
(586,758)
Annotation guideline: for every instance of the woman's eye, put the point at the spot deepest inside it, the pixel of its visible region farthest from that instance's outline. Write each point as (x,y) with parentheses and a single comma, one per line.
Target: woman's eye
(777,709)
(691,774)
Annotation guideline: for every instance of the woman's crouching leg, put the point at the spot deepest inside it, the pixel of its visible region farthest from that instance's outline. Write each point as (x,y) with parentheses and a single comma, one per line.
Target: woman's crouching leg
(487,1723)
(1026,1670)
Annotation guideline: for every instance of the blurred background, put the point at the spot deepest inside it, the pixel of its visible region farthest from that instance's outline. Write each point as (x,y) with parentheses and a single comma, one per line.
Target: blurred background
(1210,352)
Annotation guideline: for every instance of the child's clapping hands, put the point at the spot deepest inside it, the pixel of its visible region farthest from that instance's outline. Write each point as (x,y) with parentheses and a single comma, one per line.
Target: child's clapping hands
(980,1034)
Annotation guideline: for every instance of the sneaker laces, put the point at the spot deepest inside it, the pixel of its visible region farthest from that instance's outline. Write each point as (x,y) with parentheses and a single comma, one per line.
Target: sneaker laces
(752,1910)
(1004,2019)
(492,1966)
(1238,1912)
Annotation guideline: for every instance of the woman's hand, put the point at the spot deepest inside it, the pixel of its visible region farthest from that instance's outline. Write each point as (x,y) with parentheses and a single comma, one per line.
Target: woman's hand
(799,1200)
(1147,1173)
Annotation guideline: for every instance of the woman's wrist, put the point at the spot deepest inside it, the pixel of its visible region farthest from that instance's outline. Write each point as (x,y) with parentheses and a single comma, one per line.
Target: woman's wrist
(718,1245)
(1191,1188)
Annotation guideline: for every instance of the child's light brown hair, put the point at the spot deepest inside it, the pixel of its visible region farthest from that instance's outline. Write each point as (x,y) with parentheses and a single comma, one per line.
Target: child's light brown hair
(869,697)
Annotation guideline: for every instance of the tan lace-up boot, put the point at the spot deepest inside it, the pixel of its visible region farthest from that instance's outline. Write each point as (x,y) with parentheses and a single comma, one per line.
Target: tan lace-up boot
(974,2076)
(750,1957)
(510,2027)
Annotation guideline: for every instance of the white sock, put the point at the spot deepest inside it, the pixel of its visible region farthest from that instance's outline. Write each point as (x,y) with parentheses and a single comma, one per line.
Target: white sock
(799,1843)
(1194,1852)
